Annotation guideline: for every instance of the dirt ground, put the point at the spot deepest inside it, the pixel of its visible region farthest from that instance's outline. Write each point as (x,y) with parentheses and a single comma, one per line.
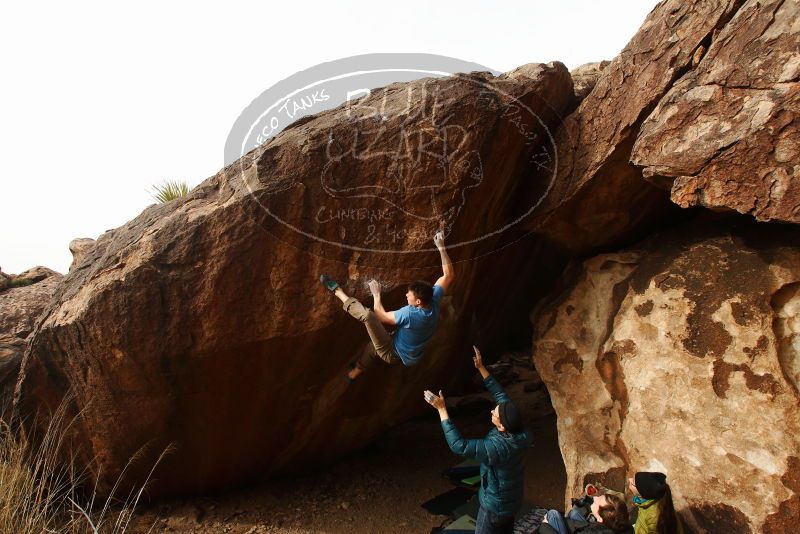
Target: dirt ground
(378,489)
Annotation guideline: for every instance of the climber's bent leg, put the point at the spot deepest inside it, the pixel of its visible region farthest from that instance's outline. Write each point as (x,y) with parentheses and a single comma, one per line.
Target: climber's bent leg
(369,355)
(365,359)
(381,339)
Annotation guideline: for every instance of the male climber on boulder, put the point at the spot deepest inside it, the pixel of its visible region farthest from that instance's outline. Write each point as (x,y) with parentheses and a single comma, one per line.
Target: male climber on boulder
(415,323)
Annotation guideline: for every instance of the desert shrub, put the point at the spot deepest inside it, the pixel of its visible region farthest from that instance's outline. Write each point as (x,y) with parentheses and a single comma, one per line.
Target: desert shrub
(20,282)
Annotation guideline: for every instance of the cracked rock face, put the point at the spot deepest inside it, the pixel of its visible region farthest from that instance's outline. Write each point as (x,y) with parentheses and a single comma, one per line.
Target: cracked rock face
(599,196)
(584,78)
(727,135)
(682,356)
(202,322)
(20,307)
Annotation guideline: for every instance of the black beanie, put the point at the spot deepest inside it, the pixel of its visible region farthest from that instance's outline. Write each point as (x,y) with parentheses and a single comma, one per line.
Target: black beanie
(509,416)
(651,485)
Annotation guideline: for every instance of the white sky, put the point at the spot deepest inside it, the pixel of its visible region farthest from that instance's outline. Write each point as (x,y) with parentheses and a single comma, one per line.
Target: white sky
(101,100)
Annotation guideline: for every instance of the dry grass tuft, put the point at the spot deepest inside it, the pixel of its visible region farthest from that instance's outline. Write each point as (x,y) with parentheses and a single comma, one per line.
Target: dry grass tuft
(40,492)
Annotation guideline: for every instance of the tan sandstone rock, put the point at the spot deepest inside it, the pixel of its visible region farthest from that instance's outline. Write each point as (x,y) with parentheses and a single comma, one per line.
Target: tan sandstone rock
(726,136)
(35,274)
(5,280)
(682,356)
(599,197)
(20,307)
(584,78)
(202,323)
(79,248)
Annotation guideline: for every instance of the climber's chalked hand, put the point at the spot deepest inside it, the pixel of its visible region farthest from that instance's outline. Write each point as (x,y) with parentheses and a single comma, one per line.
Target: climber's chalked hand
(438,239)
(374,287)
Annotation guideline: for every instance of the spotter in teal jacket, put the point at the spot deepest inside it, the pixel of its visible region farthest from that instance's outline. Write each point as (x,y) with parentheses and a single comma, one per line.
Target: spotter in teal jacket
(501,455)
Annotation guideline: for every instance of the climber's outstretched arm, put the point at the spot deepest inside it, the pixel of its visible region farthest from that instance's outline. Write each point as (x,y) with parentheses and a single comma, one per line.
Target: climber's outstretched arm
(449,273)
(489,381)
(382,315)
(477,449)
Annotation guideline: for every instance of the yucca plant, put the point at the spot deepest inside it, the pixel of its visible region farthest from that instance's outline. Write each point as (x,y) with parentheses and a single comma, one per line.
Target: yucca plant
(169,190)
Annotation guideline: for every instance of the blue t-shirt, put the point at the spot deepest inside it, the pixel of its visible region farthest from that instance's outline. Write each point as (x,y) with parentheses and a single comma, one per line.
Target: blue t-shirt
(415,326)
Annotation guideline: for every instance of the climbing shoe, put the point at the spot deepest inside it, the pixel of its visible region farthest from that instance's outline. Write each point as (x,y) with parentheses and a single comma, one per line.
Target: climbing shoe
(329,283)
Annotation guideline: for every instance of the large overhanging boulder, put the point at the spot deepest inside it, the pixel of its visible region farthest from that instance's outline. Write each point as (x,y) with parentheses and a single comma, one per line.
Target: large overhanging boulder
(599,198)
(702,104)
(683,356)
(201,323)
(727,135)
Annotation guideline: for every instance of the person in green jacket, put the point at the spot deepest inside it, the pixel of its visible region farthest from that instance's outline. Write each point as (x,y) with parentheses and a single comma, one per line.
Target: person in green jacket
(501,454)
(653,497)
